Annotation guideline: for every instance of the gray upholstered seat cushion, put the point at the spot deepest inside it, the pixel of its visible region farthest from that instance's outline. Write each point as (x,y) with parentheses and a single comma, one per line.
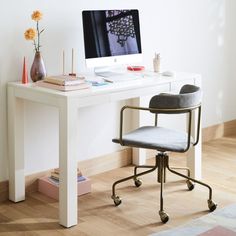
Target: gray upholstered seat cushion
(158,138)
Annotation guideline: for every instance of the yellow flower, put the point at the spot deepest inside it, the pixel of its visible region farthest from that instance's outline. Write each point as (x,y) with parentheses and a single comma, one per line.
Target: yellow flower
(30,34)
(37,15)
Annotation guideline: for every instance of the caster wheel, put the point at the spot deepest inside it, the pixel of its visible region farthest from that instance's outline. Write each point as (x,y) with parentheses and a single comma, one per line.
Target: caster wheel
(211,205)
(164,217)
(138,182)
(190,185)
(117,200)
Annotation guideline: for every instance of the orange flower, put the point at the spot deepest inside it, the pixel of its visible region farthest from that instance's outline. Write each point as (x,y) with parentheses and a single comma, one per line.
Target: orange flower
(37,15)
(34,34)
(30,34)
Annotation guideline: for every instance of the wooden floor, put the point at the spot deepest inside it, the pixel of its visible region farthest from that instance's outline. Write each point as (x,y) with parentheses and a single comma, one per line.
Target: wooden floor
(138,214)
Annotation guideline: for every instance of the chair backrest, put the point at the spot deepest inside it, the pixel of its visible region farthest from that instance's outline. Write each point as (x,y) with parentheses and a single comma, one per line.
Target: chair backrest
(189,96)
(188,99)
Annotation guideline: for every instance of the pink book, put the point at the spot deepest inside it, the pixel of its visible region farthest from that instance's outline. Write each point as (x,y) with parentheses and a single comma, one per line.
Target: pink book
(42,83)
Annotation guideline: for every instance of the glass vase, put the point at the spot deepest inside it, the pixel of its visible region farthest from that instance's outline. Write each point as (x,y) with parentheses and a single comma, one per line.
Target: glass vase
(37,71)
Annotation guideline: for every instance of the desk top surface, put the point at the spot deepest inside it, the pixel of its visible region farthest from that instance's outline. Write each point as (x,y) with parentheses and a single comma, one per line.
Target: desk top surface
(144,82)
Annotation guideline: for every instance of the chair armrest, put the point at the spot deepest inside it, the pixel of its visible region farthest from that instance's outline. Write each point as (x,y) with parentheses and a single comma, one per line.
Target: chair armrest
(121,118)
(162,110)
(165,111)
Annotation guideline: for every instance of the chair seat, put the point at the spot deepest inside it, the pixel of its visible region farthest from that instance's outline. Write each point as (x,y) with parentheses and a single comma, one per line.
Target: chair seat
(158,138)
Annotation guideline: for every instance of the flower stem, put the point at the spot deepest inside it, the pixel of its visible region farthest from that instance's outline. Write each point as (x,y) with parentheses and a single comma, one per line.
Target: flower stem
(38,36)
(35,47)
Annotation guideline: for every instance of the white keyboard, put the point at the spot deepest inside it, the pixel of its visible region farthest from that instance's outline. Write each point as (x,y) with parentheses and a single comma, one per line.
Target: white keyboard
(107,74)
(123,78)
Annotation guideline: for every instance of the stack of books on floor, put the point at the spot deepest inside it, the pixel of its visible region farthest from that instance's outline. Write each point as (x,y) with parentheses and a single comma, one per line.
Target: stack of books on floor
(49,185)
(64,83)
(54,177)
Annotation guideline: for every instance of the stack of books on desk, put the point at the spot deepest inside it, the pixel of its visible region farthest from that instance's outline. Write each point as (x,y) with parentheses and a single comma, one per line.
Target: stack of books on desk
(64,83)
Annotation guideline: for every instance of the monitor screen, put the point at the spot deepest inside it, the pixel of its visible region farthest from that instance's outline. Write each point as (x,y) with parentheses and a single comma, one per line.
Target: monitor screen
(111,37)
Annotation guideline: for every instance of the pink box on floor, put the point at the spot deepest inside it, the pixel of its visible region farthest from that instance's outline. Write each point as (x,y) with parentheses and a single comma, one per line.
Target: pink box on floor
(50,189)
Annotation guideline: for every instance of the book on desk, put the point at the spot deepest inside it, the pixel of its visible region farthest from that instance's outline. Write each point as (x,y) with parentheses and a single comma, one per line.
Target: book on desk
(65,80)
(64,83)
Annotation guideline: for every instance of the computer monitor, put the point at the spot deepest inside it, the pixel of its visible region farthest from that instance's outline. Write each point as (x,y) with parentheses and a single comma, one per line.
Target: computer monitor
(111,37)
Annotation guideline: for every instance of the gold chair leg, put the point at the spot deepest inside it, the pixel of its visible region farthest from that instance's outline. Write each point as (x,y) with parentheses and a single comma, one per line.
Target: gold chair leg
(181,168)
(142,166)
(189,183)
(161,167)
(117,199)
(138,182)
(211,205)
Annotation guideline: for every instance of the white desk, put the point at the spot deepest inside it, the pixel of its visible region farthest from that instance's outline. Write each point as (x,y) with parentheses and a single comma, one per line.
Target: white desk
(68,104)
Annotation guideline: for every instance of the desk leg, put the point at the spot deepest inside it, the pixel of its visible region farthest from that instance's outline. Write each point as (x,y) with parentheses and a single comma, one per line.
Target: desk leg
(194,155)
(16,147)
(138,154)
(68,154)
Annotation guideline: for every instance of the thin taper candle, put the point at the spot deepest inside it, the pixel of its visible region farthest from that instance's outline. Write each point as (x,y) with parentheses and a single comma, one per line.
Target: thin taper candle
(63,62)
(72,66)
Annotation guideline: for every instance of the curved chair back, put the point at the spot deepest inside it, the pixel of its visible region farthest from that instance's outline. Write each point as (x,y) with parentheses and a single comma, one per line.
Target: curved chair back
(188,97)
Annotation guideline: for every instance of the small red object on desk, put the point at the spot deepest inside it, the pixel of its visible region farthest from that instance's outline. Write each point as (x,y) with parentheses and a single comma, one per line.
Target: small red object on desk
(135,68)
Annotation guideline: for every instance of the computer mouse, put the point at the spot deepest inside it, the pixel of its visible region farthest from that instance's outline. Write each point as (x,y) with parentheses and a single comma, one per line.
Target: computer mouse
(168,73)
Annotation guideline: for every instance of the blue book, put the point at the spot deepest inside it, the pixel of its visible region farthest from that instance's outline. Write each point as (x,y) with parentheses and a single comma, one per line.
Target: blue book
(56,182)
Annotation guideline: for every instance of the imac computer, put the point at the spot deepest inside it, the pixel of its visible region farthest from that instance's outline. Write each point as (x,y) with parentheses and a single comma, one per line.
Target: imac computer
(111,37)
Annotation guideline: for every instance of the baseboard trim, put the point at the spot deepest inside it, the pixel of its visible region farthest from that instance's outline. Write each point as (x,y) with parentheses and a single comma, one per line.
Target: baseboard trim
(218,131)
(118,159)
(107,162)
(4,190)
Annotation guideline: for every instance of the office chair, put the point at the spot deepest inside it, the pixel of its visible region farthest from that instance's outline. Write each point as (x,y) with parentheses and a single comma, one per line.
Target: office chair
(164,140)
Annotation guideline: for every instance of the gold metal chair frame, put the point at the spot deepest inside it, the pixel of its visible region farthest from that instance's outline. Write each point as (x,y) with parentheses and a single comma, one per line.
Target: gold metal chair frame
(162,158)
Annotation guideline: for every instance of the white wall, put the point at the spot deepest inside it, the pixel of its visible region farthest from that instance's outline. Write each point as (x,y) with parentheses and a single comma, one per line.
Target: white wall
(191,35)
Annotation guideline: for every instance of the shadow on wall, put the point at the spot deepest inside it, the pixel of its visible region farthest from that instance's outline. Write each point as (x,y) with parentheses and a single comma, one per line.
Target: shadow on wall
(226,39)
(215,68)
(3,128)
(230,78)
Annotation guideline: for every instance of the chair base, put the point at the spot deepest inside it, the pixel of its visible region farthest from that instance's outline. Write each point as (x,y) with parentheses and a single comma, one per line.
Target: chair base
(161,164)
